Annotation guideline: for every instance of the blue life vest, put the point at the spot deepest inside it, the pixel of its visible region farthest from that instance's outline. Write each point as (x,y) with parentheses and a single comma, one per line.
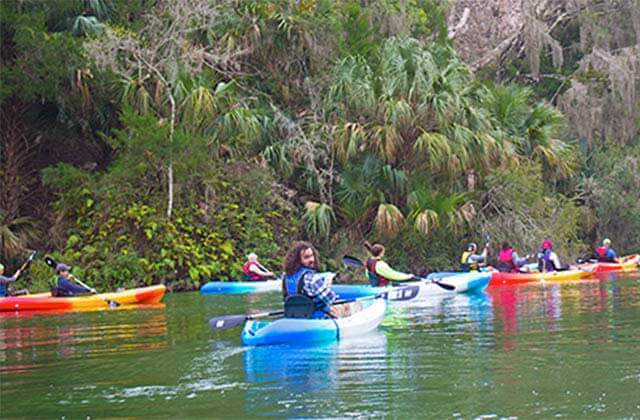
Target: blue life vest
(293,283)
(4,291)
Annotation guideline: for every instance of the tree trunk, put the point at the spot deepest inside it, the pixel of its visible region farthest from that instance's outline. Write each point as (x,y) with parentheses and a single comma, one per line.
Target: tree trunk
(170,169)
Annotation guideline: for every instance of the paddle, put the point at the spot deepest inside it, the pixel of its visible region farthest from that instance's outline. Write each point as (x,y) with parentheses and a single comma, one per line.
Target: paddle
(53,263)
(395,294)
(21,270)
(354,262)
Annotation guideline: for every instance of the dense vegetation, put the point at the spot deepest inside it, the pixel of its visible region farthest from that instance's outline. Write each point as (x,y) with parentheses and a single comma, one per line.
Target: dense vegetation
(161,141)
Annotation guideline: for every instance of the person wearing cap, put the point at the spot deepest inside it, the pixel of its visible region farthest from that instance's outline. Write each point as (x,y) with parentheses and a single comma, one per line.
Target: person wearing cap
(254,271)
(67,284)
(471,260)
(547,259)
(4,281)
(604,253)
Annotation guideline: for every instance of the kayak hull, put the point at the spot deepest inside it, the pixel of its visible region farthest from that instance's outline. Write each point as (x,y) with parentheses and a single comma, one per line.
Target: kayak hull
(314,331)
(240,287)
(515,279)
(460,282)
(624,264)
(46,302)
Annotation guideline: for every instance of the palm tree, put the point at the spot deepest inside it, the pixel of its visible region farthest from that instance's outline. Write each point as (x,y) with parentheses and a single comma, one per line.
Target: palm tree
(15,234)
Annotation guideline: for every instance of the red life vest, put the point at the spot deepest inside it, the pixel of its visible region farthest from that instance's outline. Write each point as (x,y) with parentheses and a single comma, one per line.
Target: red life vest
(505,260)
(602,252)
(375,279)
(246,269)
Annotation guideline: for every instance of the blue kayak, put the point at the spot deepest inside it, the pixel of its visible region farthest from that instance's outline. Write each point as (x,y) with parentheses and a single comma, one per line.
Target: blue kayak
(457,282)
(314,331)
(240,287)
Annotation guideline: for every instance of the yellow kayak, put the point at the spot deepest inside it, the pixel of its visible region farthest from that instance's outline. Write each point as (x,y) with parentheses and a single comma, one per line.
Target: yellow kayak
(46,302)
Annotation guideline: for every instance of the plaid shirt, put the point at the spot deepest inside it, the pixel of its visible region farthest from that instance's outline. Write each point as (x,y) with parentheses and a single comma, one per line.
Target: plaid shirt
(315,286)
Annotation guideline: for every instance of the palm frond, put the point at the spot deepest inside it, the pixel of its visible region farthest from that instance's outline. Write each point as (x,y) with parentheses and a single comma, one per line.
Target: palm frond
(318,218)
(389,220)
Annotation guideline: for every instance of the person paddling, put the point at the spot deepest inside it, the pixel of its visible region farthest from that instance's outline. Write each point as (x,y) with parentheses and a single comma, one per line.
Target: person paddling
(378,271)
(509,261)
(68,285)
(254,271)
(471,260)
(302,278)
(605,253)
(5,281)
(547,259)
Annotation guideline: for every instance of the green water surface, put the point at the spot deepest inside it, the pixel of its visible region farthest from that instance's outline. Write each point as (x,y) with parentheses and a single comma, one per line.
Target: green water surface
(539,351)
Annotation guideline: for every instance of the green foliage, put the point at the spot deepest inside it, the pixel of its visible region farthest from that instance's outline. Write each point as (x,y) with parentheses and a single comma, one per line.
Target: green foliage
(44,61)
(119,241)
(610,186)
(15,234)
(517,209)
(318,218)
(37,278)
(363,110)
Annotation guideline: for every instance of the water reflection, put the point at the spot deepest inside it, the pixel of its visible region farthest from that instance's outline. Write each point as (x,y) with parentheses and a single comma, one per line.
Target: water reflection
(27,340)
(307,380)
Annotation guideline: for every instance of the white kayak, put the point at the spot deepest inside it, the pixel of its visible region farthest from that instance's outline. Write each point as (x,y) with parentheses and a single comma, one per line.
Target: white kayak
(313,331)
(448,284)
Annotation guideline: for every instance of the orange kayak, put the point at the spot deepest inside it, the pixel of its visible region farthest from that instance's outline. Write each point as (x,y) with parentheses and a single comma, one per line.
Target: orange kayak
(628,263)
(512,279)
(45,302)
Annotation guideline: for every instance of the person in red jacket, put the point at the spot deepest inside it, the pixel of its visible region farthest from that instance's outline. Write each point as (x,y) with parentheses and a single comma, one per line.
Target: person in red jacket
(254,271)
(508,259)
(605,253)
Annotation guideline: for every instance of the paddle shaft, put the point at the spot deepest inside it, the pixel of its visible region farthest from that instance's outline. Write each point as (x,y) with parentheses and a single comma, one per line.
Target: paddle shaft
(52,263)
(395,294)
(25,264)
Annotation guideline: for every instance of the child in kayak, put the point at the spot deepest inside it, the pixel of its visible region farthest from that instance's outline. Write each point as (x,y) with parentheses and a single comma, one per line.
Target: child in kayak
(378,271)
(302,278)
(254,271)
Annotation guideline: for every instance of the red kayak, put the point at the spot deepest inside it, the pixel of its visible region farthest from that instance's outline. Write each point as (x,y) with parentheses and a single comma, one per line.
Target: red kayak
(624,264)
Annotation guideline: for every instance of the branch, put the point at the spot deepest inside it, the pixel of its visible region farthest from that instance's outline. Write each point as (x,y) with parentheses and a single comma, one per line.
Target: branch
(462,22)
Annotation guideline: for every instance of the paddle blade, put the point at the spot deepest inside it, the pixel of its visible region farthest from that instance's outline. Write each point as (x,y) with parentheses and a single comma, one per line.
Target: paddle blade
(402,293)
(445,286)
(50,262)
(225,322)
(352,262)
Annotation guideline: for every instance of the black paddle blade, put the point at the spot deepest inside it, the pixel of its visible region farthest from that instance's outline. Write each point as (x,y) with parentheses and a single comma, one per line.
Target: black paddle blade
(225,322)
(444,285)
(50,262)
(353,262)
(402,293)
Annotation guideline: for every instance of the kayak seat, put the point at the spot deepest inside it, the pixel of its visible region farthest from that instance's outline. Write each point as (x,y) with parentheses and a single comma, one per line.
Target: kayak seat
(298,306)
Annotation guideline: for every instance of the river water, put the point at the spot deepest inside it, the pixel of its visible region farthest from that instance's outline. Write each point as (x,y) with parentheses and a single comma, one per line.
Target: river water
(539,351)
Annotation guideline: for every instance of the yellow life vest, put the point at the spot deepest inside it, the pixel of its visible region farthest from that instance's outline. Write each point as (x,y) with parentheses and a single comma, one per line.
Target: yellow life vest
(466,265)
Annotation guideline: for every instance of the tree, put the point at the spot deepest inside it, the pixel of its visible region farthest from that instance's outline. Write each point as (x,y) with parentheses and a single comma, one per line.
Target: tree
(153,63)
